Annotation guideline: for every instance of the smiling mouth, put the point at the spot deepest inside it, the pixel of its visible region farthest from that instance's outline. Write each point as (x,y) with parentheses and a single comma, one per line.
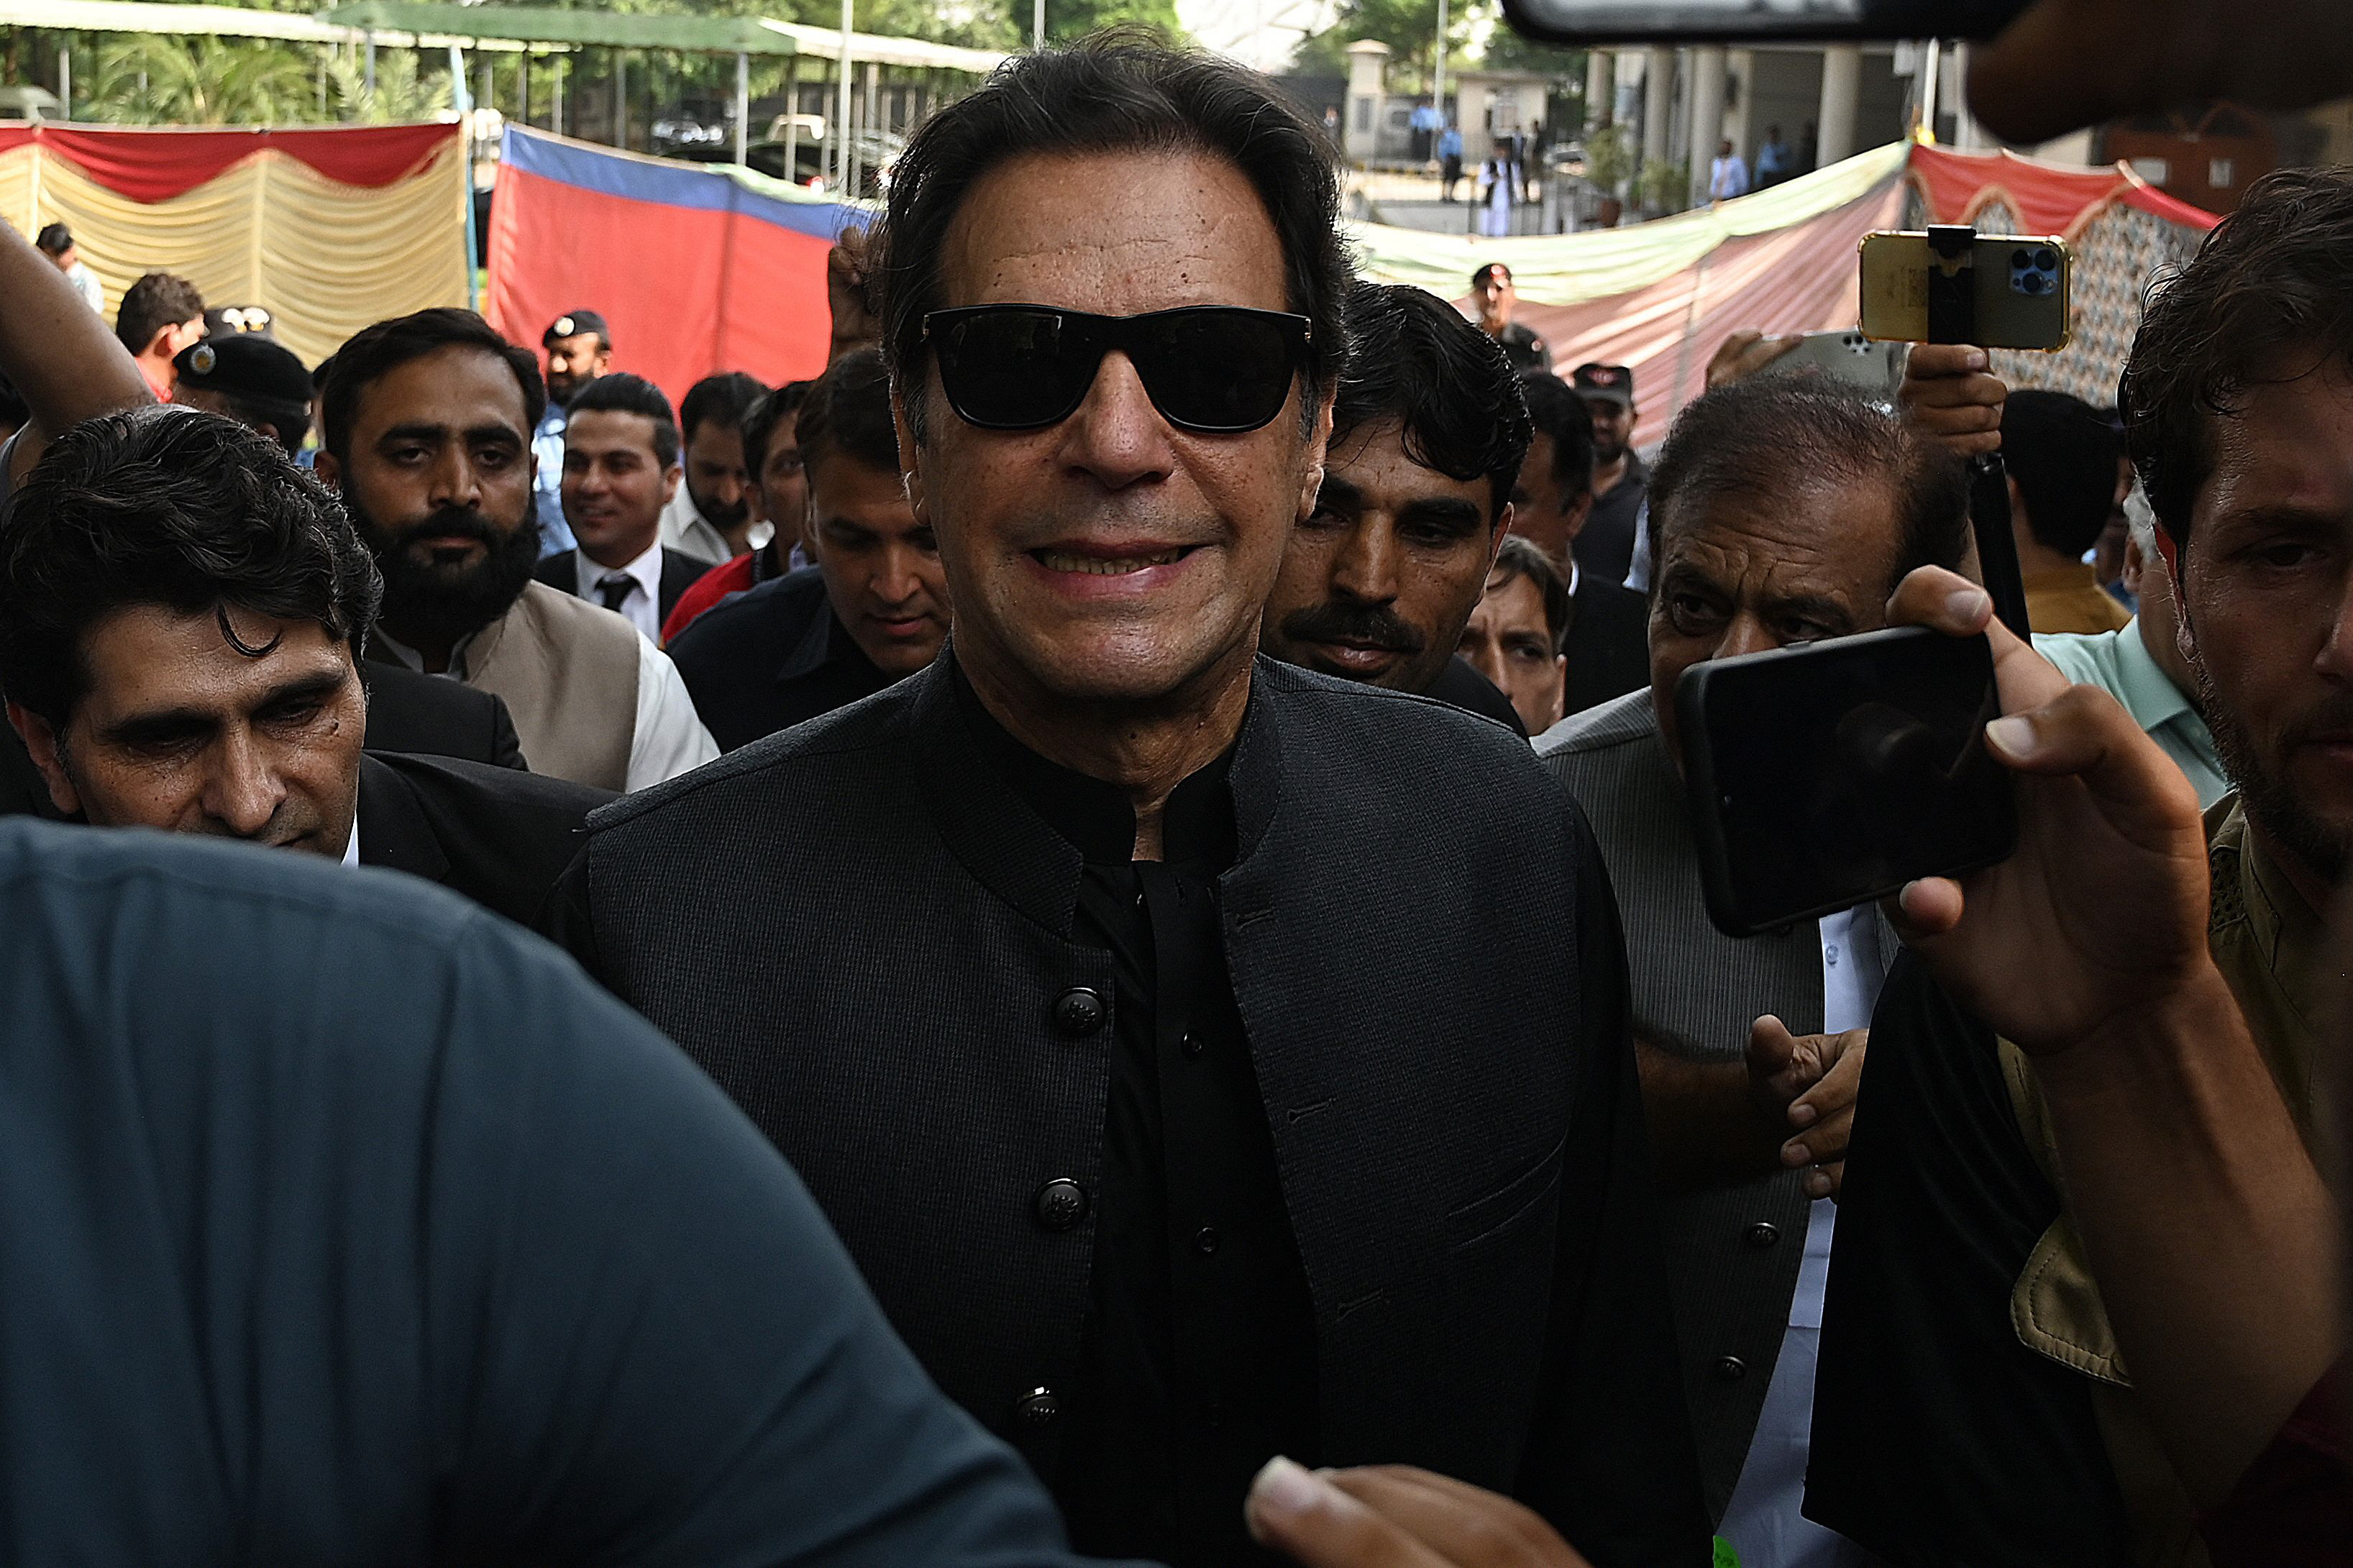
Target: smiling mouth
(1108,566)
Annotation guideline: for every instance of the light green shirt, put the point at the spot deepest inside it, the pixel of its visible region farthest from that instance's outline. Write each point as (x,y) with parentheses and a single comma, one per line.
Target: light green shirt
(2118,663)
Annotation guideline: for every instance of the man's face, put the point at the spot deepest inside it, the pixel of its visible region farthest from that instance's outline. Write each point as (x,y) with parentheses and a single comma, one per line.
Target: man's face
(615,487)
(715,476)
(1541,510)
(1497,300)
(2266,598)
(1613,428)
(781,485)
(1380,578)
(573,361)
(64,260)
(438,482)
(1113,557)
(1742,572)
(180,731)
(881,567)
(1508,641)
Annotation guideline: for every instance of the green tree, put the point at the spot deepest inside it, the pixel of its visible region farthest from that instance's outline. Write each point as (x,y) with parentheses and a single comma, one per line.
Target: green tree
(150,78)
(403,90)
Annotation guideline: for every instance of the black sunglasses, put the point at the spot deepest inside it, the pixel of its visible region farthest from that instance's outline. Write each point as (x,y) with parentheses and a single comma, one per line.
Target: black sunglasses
(1218,370)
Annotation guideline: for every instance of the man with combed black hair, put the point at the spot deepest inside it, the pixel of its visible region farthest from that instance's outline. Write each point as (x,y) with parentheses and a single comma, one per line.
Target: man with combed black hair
(711,517)
(1607,641)
(779,492)
(2066,481)
(428,422)
(620,472)
(874,608)
(1514,633)
(1212,1170)
(182,615)
(1428,433)
(1782,510)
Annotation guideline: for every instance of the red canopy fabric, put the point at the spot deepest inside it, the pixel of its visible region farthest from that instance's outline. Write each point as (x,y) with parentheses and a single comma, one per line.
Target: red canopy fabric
(1796,279)
(2046,197)
(156,165)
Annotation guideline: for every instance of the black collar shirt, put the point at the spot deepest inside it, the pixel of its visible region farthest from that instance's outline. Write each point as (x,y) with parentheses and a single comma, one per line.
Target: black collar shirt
(1605,546)
(1197,1356)
(772,658)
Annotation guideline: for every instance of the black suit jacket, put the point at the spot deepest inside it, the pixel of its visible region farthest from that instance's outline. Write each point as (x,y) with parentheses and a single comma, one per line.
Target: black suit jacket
(1609,645)
(499,835)
(679,572)
(860,930)
(409,712)
(770,658)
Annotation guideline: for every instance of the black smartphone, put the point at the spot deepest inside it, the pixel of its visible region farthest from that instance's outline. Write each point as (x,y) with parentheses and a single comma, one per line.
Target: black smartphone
(1829,774)
(1762,21)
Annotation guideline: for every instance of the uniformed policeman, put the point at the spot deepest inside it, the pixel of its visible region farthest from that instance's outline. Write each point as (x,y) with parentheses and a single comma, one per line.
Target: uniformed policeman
(251,379)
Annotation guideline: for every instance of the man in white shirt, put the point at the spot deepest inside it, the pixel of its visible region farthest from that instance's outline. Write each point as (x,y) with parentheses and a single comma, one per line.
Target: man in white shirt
(712,513)
(1786,511)
(56,243)
(620,472)
(1728,176)
(427,432)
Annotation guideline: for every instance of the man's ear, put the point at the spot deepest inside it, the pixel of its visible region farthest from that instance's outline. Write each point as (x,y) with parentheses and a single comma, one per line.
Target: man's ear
(1503,526)
(910,461)
(40,738)
(670,477)
(327,470)
(1319,447)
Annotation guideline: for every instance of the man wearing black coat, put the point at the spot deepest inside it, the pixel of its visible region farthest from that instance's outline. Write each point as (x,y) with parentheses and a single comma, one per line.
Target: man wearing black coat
(409,710)
(1607,644)
(1204,1060)
(182,653)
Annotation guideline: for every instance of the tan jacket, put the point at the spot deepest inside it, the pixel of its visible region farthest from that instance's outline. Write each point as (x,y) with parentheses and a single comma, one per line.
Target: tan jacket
(2267,942)
(568,670)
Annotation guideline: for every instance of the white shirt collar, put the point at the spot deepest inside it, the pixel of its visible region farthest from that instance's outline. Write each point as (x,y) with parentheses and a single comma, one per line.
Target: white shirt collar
(352,845)
(646,569)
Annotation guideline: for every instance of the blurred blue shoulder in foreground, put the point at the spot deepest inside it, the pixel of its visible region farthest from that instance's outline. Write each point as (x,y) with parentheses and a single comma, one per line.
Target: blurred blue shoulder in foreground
(351,1224)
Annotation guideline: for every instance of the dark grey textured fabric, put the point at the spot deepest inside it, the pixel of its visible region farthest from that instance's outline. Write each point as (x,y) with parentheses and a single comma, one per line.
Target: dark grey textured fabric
(1694,987)
(1426,962)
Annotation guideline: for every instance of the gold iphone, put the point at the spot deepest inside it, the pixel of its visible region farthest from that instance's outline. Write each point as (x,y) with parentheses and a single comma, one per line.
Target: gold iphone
(2023,285)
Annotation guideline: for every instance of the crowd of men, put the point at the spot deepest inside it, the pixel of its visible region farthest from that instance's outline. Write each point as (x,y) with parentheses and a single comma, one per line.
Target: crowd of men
(1061,779)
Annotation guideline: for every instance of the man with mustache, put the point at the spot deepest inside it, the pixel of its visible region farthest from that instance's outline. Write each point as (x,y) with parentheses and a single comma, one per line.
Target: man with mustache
(710,516)
(1161,1165)
(1428,433)
(1979,1339)
(427,432)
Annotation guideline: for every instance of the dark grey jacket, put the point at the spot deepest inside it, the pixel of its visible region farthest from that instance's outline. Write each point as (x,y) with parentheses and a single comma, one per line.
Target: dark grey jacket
(1732,1253)
(860,930)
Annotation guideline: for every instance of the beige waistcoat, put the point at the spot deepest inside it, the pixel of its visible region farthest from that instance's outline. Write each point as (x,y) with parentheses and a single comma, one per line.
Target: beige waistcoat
(568,670)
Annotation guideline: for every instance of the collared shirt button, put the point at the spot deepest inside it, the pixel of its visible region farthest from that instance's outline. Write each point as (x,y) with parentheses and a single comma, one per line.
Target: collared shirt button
(1730,1368)
(1204,1240)
(1830,952)
(1078,1012)
(1039,1407)
(1060,1204)
(1764,1234)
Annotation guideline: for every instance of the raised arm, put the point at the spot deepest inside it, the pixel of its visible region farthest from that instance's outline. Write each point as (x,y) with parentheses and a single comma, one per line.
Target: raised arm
(61,355)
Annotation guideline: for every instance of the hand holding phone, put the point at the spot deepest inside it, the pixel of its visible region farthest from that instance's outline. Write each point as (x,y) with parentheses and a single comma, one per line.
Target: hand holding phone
(2102,910)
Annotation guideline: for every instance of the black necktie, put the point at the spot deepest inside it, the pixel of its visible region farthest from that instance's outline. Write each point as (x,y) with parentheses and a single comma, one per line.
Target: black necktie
(613,589)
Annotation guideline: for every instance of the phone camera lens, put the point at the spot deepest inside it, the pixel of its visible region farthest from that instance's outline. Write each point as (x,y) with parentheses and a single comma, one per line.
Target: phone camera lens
(2020,259)
(2046,259)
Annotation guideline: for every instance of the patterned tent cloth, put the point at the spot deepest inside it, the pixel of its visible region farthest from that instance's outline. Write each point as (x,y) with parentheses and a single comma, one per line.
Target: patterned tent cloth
(1661,297)
(328,229)
(2123,231)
